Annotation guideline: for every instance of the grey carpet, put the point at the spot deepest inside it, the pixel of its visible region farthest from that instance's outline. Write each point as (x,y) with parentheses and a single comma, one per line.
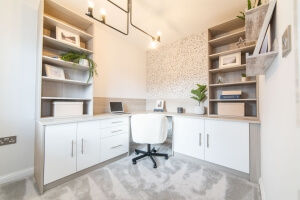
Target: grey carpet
(174,179)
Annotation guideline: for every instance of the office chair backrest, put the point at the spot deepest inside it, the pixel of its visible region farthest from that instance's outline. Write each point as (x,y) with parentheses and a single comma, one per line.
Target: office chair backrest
(149,128)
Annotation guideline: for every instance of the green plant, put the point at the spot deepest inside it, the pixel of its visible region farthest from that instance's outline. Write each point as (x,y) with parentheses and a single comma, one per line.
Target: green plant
(75,58)
(243,75)
(199,93)
(249,4)
(242,16)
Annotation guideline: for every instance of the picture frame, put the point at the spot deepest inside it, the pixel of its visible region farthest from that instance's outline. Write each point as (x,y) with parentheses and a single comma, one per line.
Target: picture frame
(159,104)
(230,60)
(67,37)
(286,41)
(54,72)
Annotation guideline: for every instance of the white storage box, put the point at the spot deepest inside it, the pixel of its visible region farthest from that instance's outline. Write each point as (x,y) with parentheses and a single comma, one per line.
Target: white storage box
(231,109)
(65,108)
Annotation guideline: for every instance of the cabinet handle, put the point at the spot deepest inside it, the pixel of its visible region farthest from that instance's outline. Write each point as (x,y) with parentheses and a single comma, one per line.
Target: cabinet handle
(82,146)
(72,154)
(116,122)
(117,146)
(200,139)
(207,142)
(116,131)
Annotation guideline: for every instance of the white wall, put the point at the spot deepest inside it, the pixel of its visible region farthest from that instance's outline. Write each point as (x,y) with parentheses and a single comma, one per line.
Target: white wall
(279,133)
(17,74)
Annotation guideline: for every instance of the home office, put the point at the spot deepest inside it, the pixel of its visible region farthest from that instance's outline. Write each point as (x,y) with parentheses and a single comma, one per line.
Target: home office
(244,146)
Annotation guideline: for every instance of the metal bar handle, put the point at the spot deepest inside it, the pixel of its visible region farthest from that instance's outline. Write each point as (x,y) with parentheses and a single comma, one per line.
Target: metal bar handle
(82,146)
(207,142)
(72,154)
(116,122)
(200,139)
(116,131)
(117,146)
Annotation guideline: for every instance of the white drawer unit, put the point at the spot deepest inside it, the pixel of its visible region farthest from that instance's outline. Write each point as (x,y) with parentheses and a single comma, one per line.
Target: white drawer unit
(114,146)
(106,123)
(116,130)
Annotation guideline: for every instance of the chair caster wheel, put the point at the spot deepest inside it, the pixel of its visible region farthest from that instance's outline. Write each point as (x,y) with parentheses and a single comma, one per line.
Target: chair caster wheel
(134,162)
(154,150)
(166,157)
(154,166)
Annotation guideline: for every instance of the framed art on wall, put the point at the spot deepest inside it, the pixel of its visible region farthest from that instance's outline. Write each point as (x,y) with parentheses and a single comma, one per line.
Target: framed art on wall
(54,72)
(230,60)
(159,104)
(67,37)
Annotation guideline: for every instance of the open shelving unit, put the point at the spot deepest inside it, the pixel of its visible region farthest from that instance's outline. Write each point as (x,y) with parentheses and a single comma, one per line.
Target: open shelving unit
(222,41)
(74,88)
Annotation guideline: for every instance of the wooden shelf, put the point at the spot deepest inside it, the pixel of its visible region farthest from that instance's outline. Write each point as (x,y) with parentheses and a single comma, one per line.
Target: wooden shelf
(55,44)
(232,84)
(62,63)
(44,78)
(51,22)
(226,27)
(227,39)
(228,69)
(245,49)
(245,117)
(231,100)
(66,98)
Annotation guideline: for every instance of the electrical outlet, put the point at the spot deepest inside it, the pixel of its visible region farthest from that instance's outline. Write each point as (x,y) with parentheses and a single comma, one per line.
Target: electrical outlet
(8,140)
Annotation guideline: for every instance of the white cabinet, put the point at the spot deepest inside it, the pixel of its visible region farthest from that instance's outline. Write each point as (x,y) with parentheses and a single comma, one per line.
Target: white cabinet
(88,144)
(189,136)
(60,151)
(227,144)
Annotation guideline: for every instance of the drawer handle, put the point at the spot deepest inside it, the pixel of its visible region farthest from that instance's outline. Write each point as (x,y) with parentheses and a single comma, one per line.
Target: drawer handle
(207,142)
(72,153)
(117,146)
(82,146)
(200,139)
(116,131)
(117,122)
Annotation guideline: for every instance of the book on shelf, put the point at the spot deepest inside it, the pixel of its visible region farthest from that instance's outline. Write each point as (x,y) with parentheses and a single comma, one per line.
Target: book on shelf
(232,92)
(230,96)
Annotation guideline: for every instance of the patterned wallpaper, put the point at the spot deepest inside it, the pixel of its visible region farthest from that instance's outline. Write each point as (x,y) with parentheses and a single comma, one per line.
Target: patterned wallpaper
(174,69)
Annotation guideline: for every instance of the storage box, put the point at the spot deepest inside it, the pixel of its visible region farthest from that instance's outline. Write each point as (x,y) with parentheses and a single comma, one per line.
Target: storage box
(231,109)
(65,108)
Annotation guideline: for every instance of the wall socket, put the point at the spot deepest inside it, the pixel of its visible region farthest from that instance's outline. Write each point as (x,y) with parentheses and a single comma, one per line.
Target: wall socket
(8,140)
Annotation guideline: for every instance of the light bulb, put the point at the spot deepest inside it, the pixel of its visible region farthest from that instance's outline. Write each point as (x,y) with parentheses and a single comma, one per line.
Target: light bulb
(90,9)
(102,11)
(153,44)
(158,33)
(102,16)
(91,4)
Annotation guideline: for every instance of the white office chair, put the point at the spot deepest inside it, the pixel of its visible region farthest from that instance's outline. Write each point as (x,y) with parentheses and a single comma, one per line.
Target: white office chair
(149,129)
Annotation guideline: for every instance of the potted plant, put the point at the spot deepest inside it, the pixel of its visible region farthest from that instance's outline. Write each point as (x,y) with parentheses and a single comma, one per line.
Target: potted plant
(199,95)
(244,78)
(81,59)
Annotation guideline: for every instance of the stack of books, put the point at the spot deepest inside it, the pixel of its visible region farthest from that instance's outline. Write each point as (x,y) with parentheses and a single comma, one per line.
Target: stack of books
(235,94)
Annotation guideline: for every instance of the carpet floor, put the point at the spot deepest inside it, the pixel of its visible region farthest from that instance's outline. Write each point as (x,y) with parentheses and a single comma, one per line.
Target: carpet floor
(173,179)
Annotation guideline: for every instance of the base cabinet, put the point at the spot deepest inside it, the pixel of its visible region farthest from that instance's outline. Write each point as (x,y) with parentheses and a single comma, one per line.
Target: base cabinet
(189,136)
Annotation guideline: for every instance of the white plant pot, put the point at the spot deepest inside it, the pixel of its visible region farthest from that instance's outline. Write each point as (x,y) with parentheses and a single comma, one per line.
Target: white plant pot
(199,110)
(244,79)
(84,62)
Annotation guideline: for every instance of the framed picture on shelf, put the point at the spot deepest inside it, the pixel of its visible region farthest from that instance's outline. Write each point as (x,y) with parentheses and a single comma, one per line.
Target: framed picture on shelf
(230,60)
(54,72)
(159,104)
(67,37)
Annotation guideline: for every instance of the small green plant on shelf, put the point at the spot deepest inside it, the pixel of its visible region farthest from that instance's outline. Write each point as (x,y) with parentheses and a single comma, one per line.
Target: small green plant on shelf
(242,16)
(199,93)
(243,75)
(77,58)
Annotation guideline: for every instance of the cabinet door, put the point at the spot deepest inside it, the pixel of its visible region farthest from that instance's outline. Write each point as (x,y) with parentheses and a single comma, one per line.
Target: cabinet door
(189,136)
(227,144)
(88,144)
(60,151)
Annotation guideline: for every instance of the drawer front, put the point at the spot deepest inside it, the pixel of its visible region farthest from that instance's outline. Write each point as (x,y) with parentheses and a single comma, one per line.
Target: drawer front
(113,146)
(116,130)
(114,122)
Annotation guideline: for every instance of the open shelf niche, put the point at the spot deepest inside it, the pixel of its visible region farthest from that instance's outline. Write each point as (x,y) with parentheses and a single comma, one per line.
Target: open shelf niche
(222,40)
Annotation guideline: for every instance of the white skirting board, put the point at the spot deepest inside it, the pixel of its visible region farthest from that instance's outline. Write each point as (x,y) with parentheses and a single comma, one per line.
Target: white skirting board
(16,175)
(262,190)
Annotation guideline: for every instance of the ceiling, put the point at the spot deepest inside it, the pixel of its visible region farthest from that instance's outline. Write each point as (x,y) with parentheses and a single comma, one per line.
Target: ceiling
(175,19)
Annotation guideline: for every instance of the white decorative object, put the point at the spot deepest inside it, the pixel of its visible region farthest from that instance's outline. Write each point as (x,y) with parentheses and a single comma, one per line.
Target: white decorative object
(200,110)
(244,79)
(54,72)
(286,41)
(65,108)
(67,37)
(84,62)
(159,104)
(230,60)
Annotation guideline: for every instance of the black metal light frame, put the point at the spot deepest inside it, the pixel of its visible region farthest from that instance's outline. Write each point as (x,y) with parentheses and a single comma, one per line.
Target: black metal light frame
(128,13)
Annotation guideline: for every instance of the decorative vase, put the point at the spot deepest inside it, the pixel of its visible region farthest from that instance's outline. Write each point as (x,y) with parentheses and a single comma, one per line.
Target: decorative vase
(244,79)
(84,62)
(199,110)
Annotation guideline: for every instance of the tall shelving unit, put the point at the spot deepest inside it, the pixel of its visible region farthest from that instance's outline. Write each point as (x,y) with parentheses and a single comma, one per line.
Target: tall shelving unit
(222,41)
(74,87)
